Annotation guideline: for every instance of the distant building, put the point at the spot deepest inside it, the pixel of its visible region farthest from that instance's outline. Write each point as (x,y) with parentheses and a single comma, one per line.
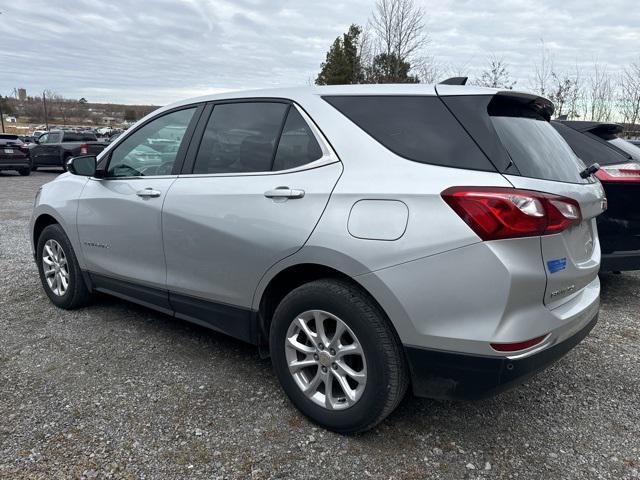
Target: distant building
(22,94)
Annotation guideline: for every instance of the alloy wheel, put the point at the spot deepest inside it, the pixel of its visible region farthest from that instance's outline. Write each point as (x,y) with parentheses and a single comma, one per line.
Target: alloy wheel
(55,267)
(326,359)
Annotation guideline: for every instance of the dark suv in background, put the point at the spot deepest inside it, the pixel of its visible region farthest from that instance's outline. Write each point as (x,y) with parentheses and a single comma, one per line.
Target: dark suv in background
(14,154)
(619,160)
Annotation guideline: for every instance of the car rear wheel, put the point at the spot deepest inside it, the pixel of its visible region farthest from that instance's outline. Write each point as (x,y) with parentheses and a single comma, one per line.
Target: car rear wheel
(24,171)
(60,273)
(336,356)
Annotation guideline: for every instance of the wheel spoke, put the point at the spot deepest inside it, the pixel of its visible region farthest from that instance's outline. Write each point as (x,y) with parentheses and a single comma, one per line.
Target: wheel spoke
(49,251)
(47,261)
(340,329)
(300,364)
(344,385)
(64,282)
(313,385)
(49,273)
(347,370)
(294,343)
(320,319)
(313,338)
(351,349)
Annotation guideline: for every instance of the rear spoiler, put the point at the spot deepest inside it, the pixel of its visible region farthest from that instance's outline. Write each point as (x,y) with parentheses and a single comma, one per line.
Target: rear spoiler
(508,99)
(455,81)
(597,128)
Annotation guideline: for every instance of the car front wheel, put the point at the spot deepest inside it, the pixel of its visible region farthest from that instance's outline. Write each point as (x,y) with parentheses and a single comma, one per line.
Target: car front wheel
(24,171)
(59,270)
(336,356)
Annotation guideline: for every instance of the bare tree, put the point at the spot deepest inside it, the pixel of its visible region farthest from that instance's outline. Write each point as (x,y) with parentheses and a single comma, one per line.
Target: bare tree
(428,69)
(399,26)
(599,94)
(543,70)
(496,75)
(629,95)
(565,91)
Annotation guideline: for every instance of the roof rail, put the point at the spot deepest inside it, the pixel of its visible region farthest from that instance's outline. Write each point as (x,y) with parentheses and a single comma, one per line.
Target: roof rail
(455,81)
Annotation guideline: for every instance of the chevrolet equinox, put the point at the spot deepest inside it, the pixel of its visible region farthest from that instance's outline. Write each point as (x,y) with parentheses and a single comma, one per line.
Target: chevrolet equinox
(369,238)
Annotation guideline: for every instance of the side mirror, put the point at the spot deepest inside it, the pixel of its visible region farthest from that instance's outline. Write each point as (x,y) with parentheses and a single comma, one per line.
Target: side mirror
(84,165)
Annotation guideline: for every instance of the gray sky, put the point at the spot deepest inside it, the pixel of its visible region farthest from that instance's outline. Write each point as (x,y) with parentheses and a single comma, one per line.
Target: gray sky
(163,50)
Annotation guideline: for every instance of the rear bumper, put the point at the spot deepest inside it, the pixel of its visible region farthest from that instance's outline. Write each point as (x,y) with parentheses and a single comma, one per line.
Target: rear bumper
(450,375)
(14,164)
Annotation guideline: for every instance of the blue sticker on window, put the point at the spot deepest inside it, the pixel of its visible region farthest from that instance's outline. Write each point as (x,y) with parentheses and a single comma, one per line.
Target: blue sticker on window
(557,264)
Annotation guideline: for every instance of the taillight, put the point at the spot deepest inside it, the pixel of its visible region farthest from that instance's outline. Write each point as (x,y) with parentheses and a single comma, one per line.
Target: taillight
(623,172)
(495,212)
(84,149)
(517,346)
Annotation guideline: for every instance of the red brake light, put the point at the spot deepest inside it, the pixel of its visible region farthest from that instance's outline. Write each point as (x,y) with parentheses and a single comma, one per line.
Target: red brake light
(516,346)
(84,149)
(624,172)
(497,212)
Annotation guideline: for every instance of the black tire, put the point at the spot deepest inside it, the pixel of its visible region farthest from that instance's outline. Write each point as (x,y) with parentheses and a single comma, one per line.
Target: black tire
(25,172)
(77,293)
(387,373)
(34,168)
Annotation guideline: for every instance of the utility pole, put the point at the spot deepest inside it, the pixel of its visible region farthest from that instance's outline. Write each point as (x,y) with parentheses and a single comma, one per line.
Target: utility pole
(1,117)
(44,104)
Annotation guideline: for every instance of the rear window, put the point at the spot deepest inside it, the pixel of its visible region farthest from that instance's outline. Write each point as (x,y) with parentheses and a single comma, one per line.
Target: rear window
(418,128)
(590,150)
(533,145)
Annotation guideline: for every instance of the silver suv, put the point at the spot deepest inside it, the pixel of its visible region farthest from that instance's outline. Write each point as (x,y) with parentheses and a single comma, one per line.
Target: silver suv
(367,238)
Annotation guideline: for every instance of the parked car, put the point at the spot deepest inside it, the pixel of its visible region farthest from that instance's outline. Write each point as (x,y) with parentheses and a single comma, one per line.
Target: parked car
(367,238)
(619,160)
(54,148)
(635,142)
(14,154)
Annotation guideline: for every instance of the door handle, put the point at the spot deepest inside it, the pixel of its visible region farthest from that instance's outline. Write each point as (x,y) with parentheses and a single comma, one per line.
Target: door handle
(148,193)
(284,192)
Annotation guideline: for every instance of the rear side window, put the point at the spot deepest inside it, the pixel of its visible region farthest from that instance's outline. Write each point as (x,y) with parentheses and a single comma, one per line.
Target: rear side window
(72,137)
(297,144)
(240,137)
(418,128)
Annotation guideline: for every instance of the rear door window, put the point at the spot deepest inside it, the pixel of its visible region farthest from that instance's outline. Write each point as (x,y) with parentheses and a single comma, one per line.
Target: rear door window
(240,138)
(297,145)
(418,128)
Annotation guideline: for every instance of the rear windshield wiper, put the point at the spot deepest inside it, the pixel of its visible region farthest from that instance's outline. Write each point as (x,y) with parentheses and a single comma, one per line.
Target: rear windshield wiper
(590,170)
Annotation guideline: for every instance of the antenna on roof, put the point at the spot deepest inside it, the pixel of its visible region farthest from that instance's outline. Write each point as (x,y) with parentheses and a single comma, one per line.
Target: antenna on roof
(455,81)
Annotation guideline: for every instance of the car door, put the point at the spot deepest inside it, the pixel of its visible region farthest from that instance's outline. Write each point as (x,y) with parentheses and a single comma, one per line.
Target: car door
(47,151)
(119,215)
(260,180)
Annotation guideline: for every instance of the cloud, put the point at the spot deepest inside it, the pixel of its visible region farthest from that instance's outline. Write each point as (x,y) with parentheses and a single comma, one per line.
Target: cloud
(161,51)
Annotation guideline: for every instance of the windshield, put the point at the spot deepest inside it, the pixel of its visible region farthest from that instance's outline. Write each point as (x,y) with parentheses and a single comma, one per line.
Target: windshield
(627,147)
(537,150)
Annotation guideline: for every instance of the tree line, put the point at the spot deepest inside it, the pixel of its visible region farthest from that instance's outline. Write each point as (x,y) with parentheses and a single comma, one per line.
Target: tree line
(393,48)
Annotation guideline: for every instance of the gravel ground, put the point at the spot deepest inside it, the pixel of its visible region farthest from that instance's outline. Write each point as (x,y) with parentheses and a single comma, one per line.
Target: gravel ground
(119,391)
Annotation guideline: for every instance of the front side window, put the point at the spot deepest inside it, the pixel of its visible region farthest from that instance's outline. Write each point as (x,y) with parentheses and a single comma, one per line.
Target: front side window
(297,145)
(44,138)
(240,137)
(152,149)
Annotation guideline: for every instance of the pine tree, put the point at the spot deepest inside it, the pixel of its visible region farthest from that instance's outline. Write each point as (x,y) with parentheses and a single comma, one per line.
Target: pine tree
(343,64)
